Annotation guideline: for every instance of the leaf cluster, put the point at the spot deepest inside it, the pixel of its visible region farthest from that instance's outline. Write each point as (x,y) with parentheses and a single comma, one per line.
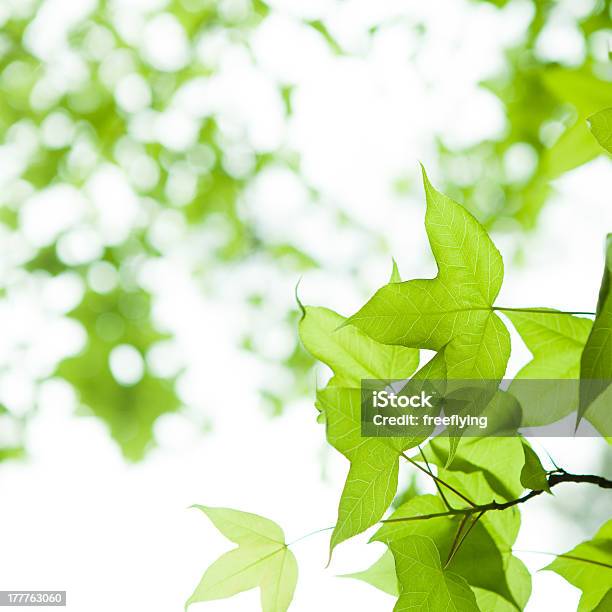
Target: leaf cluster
(454,549)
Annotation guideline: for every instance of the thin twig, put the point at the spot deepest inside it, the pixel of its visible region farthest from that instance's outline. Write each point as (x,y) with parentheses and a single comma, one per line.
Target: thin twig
(465,535)
(553,461)
(554,478)
(538,311)
(439,480)
(438,486)
(310,534)
(451,552)
(563,556)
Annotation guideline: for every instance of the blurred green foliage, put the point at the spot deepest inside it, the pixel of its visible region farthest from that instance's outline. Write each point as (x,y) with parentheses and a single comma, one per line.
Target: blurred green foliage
(73,120)
(546,104)
(103,131)
(120,317)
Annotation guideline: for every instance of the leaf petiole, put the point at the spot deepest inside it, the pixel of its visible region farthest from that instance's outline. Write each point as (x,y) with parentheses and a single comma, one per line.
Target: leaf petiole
(542,311)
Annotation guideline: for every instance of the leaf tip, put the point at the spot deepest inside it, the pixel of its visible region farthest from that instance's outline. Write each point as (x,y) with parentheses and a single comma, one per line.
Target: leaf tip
(395,273)
(424,174)
(297,299)
(578,419)
(429,188)
(332,545)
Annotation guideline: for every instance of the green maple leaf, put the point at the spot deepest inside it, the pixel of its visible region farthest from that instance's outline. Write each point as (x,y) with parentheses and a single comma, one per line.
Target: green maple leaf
(262,560)
(423,583)
(438,529)
(601,126)
(351,354)
(556,341)
(485,557)
(454,310)
(605,605)
(588,567)
(503,528)
(451,314)
(499,459)
(533,475)
(519,579)
(381,574)
(596,362)
(371,482)
(480,559)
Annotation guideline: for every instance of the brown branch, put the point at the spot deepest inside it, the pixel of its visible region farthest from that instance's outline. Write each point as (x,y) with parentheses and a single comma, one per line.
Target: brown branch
(554,479)
(563,476)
